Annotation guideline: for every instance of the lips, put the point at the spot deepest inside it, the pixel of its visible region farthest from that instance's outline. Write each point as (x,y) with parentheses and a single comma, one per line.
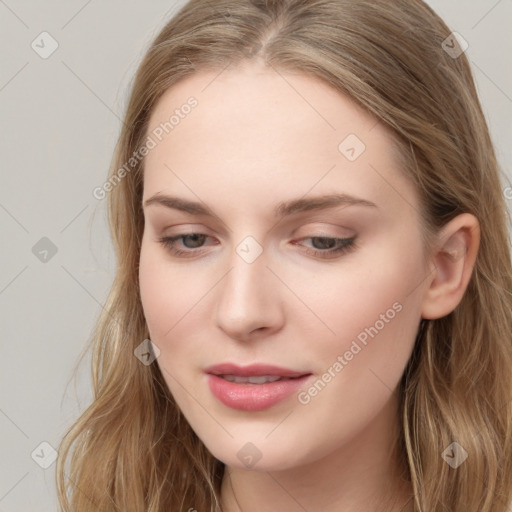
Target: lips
(254,387)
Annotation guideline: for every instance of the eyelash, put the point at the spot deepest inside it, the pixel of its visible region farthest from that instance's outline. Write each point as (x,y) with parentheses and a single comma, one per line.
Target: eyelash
(345,245)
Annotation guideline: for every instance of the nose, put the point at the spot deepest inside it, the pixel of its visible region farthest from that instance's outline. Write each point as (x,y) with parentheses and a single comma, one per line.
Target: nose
(248,301)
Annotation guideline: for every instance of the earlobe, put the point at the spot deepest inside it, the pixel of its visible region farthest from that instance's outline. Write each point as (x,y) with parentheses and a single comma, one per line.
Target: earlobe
(453,260)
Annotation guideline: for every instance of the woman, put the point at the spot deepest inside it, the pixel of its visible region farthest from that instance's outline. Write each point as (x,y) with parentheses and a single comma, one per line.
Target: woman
(312,304)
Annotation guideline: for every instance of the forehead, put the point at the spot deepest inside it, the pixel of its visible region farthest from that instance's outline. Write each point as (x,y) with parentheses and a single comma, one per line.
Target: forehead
(256,129)
(276,107)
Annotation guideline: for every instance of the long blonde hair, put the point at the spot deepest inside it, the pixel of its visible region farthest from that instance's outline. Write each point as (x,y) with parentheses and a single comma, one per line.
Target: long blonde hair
(132,449)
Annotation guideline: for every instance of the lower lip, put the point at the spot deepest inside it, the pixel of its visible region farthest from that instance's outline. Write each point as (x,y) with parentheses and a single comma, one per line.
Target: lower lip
(253,397)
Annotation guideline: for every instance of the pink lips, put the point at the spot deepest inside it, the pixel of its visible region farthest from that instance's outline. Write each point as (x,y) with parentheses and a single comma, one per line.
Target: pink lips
(253,397)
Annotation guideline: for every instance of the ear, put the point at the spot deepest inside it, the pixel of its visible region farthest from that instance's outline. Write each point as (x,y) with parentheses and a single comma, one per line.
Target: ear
(452,263)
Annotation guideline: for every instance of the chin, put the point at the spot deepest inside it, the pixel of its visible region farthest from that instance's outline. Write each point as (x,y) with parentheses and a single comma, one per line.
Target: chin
(257,455)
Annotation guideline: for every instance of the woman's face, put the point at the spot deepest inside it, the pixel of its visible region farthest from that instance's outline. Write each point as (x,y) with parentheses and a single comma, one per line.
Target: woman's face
(300,248)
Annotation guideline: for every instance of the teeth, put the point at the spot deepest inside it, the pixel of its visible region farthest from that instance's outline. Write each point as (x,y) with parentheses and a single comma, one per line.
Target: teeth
(263,379)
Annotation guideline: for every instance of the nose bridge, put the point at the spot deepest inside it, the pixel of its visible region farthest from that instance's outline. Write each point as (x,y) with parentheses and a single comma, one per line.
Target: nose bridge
(247,299)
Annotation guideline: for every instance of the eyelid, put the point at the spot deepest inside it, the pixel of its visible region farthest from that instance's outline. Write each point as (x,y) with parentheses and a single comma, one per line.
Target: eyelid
(309,232)
(327,229)
(343,245)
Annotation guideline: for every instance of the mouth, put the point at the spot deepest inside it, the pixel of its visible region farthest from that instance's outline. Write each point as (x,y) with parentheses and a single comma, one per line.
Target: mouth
(254,387)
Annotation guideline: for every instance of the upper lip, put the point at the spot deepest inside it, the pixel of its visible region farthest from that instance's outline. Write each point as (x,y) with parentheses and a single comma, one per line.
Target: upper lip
(251,370)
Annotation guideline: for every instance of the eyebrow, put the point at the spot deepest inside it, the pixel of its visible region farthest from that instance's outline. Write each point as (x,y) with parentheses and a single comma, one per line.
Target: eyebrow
(283,209)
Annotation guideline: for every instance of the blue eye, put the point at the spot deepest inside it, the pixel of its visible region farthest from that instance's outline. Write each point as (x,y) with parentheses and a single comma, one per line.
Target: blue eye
(335,246)
(329,247)
(169,242)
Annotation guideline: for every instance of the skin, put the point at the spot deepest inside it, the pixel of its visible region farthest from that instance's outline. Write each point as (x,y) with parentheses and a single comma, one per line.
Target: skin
(258,137)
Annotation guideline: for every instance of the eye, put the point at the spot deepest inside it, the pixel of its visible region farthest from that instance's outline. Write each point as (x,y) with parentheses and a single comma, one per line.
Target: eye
(326,247)
(330,247)
(191,241)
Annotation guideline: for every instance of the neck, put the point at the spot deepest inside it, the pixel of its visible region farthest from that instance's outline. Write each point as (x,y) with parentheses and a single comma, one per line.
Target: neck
(365,473)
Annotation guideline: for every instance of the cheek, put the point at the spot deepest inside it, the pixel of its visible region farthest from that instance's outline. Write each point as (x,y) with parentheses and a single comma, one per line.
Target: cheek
(167,302)
(375,315)
(168,292)
(175,300)
(369,310)
(158,298)
(366,285)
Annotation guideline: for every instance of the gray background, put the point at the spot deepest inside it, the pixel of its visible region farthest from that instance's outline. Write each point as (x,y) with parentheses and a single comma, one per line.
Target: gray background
(60,120)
